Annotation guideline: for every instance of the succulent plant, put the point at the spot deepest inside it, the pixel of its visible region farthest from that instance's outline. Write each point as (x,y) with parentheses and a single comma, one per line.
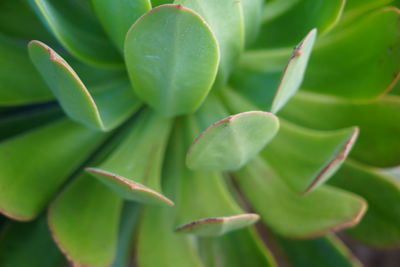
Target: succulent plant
(192,133)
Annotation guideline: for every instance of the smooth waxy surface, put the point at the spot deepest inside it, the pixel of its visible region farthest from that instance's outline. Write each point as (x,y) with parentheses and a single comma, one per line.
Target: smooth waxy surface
(229,143)
(19,172)
(305,159)
(172,59)
(84,222)
(293,215)
(97,111)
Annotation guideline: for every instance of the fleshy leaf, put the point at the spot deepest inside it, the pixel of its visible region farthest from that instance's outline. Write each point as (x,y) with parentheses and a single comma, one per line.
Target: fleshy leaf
(60,156)
(293,74)
(220,213)
(172,59)
(284,29)
(252,16)
(229,143)
(29,244)
(133,169)
(117,16)
(236,249)
(84,222)
(76,28)
(378,120)
(229,32)
(14,61)
(98,111)
(293,215)
(155,237)
(305,159)
(326,251)
(360,61)
(216,226)
(380,225)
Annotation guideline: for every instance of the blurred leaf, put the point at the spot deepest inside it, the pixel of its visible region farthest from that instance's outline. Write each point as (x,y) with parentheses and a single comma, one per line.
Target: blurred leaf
(360,61)
(293,74)
(236,249)
(76,28)
(306,159)
(127,228)
(29,244)
(252,16)
(225,18)
(157,244)
(326,251)
(298,17)
(117,16)
(172,59)
(84,222)
(378,143)
(26,119)
(18,20)
(230,143)
(355,8)
(380,225)
(133,170)
(14,62)
(293,215)
(35,164)
(98,111)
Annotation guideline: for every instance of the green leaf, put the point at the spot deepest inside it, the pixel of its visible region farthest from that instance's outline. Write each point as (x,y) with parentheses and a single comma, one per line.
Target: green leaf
(25,119)
(306,159)
(15,16)
(357,61)
(284,29)
(326,251)
(172,59)
(229,32)
(293,74)
(236,249)
(157,245)
(117,16)
(252,16)
(216,226)
(378,143)
(98,111)
(76,28)
(380,225)
(84,222)
(133,170)
(28,244)
(230,143)
(59,157)
(14,61)
(293,215)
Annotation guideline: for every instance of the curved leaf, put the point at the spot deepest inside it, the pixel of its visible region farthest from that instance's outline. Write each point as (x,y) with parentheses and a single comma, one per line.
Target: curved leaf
(306,159)
(378,143)
(98,111)
(358,61)
(293,74)
(172,59)
(216,226)
(14,62)
(380,225)
(225,18)
(117,16)
(284,29)
(61,156)
(76,28)
(252,16)
(293,215)
(230,143)
(133,169)
(84,222)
